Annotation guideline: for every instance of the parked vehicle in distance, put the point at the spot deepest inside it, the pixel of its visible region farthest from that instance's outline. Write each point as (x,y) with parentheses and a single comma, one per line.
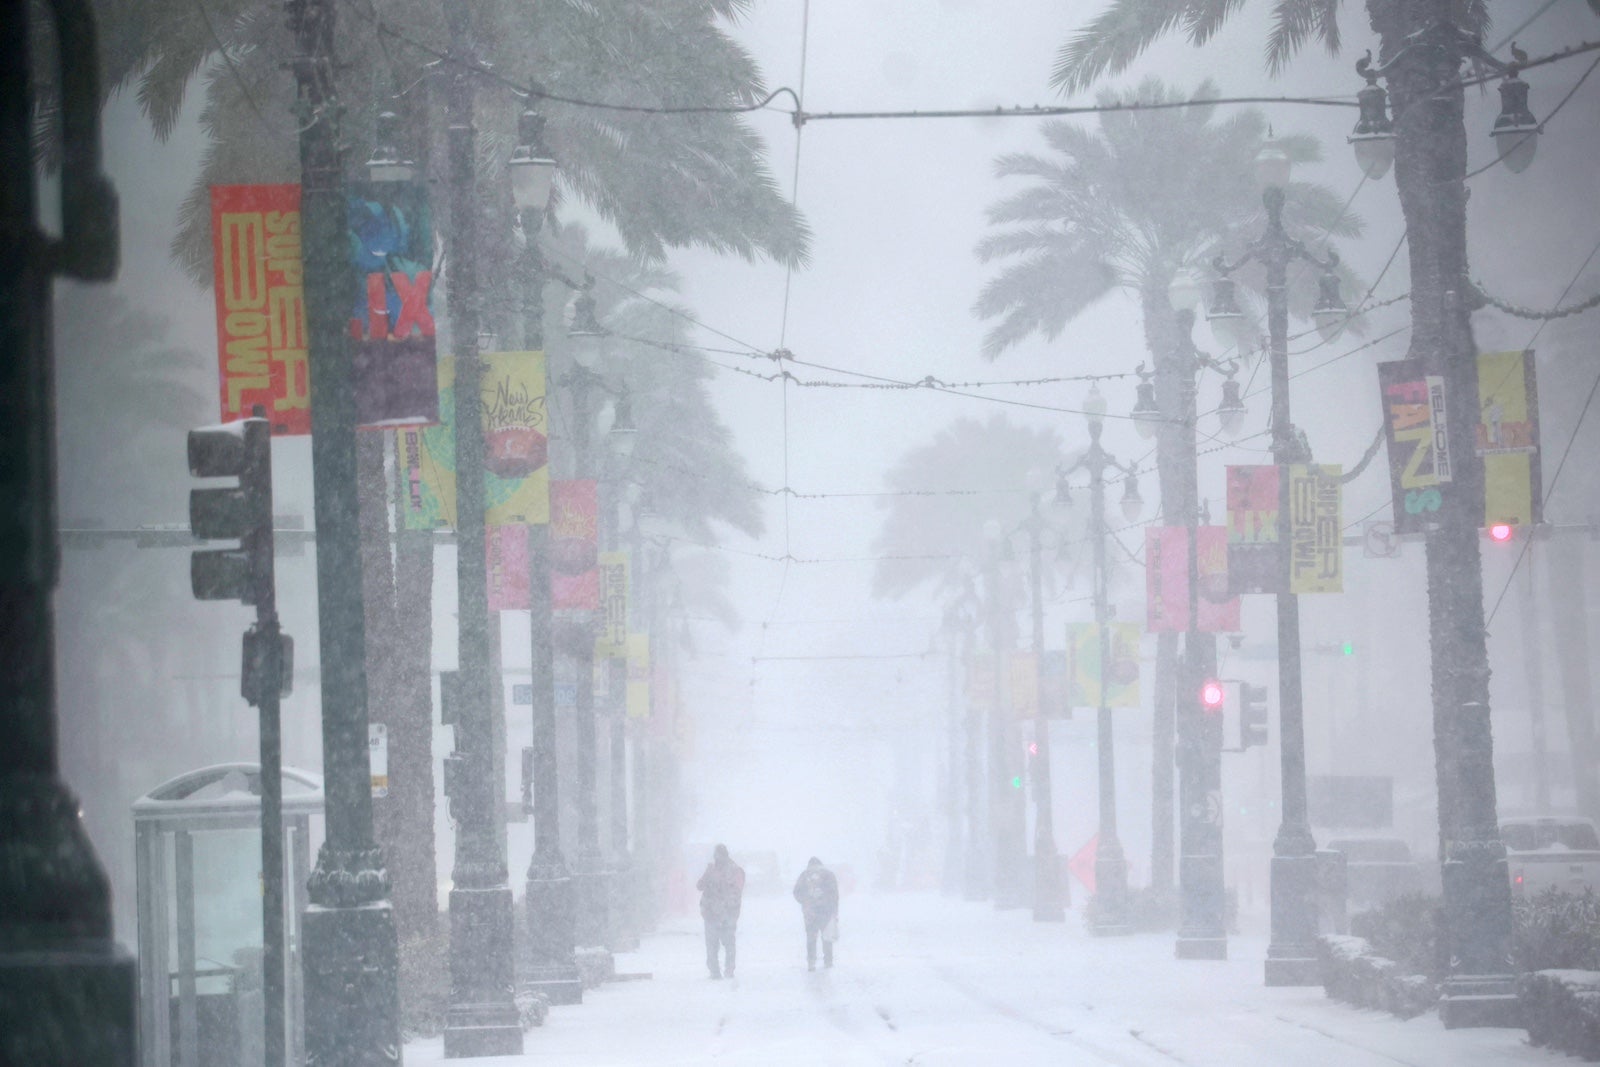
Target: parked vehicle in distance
(1377,869)
(1551,852)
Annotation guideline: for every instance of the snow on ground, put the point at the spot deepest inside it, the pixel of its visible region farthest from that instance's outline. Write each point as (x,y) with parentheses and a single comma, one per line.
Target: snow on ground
(929,981)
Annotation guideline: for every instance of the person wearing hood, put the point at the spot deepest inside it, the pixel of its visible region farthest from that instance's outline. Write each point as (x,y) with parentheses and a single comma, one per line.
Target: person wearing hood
(721,893)
(817,890)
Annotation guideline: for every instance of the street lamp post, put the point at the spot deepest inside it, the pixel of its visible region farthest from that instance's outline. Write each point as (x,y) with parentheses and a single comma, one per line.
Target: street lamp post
(1427,143)
(624,935)
(1292,952)
(553,971)
(1048,902)
(1110,865)
(482,1017)
(68,993)
(1006,802)
(975,882)
(592,926)
(350,961)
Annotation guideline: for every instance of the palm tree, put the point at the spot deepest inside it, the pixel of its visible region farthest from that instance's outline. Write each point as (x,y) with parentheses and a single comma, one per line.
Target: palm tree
(1430,176)
(1108,212)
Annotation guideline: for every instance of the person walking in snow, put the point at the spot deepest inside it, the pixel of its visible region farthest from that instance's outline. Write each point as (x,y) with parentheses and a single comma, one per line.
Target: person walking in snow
(721,892)
(817,890)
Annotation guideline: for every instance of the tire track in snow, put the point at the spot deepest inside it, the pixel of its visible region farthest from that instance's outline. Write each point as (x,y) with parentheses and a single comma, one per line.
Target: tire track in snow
(1106,1055)
(1345,1041)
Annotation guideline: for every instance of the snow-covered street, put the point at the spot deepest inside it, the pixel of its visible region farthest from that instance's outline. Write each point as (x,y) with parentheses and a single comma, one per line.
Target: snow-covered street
(930,981)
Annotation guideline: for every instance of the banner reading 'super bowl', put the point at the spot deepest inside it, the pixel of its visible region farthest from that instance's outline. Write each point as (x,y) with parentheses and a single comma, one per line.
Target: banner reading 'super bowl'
(261,315)
(1121,665)
(391,318)
(1508,438)
(612,642)
(1166,567)
(1316,529)
(429,453)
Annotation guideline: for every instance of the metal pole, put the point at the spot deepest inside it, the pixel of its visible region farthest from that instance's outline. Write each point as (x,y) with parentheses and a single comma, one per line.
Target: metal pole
(554,971)
(1533,668)
(950,883)
(482,1017)
(1110,866)
(1202,921)
(1048,899)
(975,885)
(352,1007)
(623,936)
(68,993)
(1292,950)
(1004,794)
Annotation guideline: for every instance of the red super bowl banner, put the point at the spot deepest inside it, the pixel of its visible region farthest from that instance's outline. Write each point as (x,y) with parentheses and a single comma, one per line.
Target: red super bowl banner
(261,317)
(1166,566)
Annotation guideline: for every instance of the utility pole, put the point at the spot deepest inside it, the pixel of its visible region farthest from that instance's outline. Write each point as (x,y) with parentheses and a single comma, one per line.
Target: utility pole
(482,1017)
(67,991)
(352,1004)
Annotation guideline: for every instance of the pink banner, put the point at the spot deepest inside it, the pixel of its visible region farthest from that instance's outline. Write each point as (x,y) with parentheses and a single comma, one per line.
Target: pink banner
(1166,564)
(509,587)
(574,520)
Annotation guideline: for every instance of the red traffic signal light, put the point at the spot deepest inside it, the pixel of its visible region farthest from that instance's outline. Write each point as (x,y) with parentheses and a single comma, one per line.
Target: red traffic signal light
(1212,694)
(1501,531)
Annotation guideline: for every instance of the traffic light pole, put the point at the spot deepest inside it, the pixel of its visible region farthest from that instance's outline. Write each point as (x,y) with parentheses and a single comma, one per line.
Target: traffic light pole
(1202,909)
(352,1002)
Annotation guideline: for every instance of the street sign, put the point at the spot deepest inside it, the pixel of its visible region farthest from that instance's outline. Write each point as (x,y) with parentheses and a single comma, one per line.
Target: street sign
(522,693)
(1379,540)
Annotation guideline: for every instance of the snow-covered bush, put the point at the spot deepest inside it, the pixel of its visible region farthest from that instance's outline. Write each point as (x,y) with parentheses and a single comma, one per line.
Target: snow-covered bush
(1561,1009)
(1353,972)
(1404,929)
(1557,930)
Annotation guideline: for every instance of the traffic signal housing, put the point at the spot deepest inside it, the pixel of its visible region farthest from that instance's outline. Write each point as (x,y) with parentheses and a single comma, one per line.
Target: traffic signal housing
(1252,715)
(242,450)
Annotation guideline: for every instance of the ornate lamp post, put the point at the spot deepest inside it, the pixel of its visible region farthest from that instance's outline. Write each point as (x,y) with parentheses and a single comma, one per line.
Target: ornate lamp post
(1427,142)
(1110,865)
(553,971)
(482,1017)
(1291,953)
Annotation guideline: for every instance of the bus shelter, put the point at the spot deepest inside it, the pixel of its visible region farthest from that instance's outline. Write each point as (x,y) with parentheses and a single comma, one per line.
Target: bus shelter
(198,864)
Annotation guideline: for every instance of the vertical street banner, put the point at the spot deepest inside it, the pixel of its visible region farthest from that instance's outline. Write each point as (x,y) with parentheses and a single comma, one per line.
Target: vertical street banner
(574,555)
(510,587)
(1024,676)
(1419,456)
(1166,568)
(638,698)
(1121,665)
(1508,438)
(393,351)
(378,758)
(612,641)
(1316,529)
(260,296)
(1255,564)
(513,407)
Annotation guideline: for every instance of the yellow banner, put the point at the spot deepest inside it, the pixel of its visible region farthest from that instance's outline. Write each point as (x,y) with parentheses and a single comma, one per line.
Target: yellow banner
(612,642)
(1121,665)
(638,676)
(516,476)
(1316,529)
(1508,438)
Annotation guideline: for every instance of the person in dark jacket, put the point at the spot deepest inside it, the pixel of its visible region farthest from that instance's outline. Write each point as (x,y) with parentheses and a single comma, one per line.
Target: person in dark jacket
(817,890)
(721,892)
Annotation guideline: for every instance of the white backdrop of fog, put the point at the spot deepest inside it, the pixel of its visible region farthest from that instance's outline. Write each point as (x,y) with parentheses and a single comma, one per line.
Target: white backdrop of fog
(817,756)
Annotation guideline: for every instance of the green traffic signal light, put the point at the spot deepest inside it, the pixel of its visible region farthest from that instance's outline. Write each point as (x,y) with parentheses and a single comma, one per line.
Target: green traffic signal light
(1016,781)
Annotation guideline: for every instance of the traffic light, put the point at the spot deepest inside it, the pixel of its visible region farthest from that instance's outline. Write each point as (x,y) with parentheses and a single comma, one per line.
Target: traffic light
(1212,695)
(1252,715)
(1501,531)
(241,450)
